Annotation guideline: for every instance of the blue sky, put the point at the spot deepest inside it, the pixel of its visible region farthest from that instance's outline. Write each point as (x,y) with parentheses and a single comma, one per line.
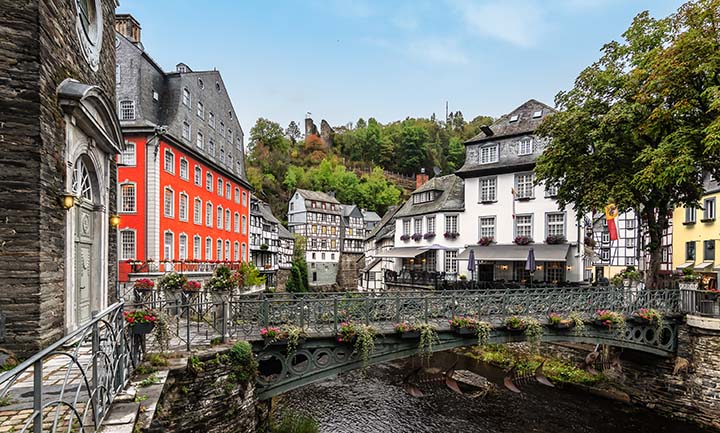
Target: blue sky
(345,59)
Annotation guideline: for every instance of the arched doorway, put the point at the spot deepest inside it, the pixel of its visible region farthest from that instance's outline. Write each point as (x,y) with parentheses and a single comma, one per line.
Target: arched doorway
(85,239)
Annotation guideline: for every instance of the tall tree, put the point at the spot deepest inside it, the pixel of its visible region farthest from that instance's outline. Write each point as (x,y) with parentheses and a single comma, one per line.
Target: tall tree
(293,132)
(640,128)
(413,147)
(268,133)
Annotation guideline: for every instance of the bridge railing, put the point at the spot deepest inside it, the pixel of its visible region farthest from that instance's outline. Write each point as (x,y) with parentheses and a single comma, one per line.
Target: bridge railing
(700,302)
(70,385)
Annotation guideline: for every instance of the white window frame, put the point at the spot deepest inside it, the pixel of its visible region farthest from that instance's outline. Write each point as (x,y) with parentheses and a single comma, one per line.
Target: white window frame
(220,186)
(198,176)
(184,169)
(209,208)
(551,227)
(524,229)
(197,211)
(168,253)
(488,189)
(451,262)
(127,109)
(709,209)
(228,220)
(169,212)
(430,224)
(201,110)
(186,97)
(208,248)
(186,130)
(129,154)
(489,154)
(244,199)
(182,246)
(219,249)
(524,188)
(209,181)
(487,226)
(451,223)
(211,120)
(236,222)
(123,244)
(169,166)
(183,210)
(237,195)
(197,247)
(243,228)
(525,146)
(219,213)
(123,208)
(200,140)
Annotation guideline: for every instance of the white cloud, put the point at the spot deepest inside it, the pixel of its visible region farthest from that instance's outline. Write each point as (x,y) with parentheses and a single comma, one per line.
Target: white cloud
(443,51)
(518,22)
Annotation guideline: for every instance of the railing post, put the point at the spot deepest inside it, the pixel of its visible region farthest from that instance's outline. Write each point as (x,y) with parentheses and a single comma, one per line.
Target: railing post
(265,313)
(120,332)
(95,376)
(187,327)
(302,313)
(223,326)
(37,395)
(335,315)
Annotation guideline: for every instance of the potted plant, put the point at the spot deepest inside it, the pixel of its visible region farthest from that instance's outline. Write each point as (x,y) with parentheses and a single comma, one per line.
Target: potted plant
(690,279)
(609,319)
(555,239)
(648,316)
(141,322)
(273,336)
(463,325)
(407,331)
(451,235)
(362,338)
(557,321)
(295,336)
(346,333)
(485,241)
(429,235)
(522,240)
(428,338)
(515,324)
(222,283)
(144,284)
(405,238)
(172,285)
(417,237)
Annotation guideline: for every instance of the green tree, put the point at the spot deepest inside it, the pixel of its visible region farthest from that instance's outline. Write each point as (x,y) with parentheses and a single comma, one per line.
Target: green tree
(270,134)
(298,280)
(413,147)
(293,132)
(640,128)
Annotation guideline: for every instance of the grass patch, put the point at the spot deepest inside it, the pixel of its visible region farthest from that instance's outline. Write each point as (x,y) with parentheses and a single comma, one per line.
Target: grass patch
(6,401)
(150,380)
(295,423)
(145,369)
(157,360)
(555,369)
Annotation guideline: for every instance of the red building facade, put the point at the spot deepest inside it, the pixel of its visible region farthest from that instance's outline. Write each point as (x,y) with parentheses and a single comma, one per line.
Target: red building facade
(183,197)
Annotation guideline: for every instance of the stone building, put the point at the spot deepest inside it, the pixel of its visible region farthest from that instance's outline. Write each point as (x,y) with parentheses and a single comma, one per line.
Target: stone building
(59,139)
(184,195)
(316,216)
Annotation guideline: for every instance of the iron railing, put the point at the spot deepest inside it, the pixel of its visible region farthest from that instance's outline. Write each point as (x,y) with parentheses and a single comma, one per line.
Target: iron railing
(700,302)
(70,385)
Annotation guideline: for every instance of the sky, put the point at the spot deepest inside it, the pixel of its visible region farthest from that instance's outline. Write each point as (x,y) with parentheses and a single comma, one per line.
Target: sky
(344,59)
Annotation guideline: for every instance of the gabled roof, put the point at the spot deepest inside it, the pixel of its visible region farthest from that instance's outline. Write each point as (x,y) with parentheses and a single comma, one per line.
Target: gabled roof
(370,216)
(526,122)
(452,197)
(283,233)
(316,195)
(388,220)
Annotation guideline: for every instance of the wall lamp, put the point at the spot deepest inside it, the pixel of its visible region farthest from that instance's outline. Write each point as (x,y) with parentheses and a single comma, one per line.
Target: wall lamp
(114,221)
(68,200)
(539,267)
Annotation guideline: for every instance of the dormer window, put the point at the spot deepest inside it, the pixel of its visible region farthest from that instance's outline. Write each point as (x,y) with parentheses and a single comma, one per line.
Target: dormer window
(424,197)
(489,154)
(537,114)
(525,147)
(514,118)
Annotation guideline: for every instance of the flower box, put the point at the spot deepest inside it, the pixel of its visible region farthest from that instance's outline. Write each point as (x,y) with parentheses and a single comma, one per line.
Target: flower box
(464,331)
(429,236)
(516,329)
(142,328)
(563,324)
(522,240)
(485,241)
(451,235)
(405,238)
(410,335)
(417,237)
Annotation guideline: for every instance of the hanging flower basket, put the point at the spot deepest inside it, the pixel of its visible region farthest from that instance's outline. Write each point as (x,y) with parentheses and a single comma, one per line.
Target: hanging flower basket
(522,240)
(515,324)
(407,331)
(141,322)
(142,328)
(485,241)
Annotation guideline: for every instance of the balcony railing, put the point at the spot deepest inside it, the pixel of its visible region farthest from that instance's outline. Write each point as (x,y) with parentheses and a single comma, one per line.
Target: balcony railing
(451,281)
(182,266)
(700,302)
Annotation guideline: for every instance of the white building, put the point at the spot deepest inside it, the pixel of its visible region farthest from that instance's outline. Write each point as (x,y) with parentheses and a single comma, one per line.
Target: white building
(503,203)
(380,239)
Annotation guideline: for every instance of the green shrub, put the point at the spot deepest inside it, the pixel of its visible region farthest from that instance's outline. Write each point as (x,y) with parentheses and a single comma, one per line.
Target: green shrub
(242,361)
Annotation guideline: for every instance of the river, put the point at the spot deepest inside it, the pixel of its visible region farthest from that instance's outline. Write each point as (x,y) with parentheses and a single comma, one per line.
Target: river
(374,401)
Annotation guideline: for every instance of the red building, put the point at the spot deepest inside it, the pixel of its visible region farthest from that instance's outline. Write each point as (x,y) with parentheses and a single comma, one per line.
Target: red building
(183,195)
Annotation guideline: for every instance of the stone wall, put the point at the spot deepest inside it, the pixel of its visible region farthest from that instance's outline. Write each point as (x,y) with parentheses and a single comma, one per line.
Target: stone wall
(42,50)
(281,279)
(348,270)
(201,397)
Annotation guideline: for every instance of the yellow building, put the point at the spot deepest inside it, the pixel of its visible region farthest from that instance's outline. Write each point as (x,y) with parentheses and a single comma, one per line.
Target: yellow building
(695,236)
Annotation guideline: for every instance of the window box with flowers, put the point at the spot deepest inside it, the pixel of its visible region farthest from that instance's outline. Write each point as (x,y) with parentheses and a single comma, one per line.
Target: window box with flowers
(428,236)
(522,240)
(141,322)
(451,235)
(485,241)
(417,237)
(405,238)
(407,331)
(555,239)
(144,284)
(609,319)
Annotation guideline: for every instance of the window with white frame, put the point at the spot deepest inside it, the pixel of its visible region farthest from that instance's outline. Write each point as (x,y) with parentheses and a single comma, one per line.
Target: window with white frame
(605,255)
(236,222)
(605,238)
(169,203)
(186,97)
(209,181)
(200,140)
(228,221)
(211,120)
(183,207)
(211,147)
(127,244)
(168,245)
(244,224)
(690,215)
(127,197)
(451,223)
(222,155)
(525,147)
(418,225)
(128,154)
(243,252)
(197,211)
(220,186)
(219,222)
(523,225)
(630,261)
(244,198)
(229,159)
(487,226)
(430,223)
(201,110)
(551,191)
(219,249)
(222,128)
(629,223)
(556,224)
(198,176)
(488,189)
(524,185)
(630,242)
(169,165)
(127,110)
(228,190)
(208,214)
(406,227)
(451,263)
(230,135)
(184,169)
(208,248)
(197,247)
(236,251)
(186,130)
(237,195)
(182,246)
(709,209)
(227,250)
(489,154)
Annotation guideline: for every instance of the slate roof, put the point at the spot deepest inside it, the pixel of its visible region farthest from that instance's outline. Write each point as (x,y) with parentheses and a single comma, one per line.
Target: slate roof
(317,196)
(525,124)
(370,216)
(283,233)
(452,197)
(387,222)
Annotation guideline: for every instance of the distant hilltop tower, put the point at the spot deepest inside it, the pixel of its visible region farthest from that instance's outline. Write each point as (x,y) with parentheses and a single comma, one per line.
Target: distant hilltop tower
(326,133)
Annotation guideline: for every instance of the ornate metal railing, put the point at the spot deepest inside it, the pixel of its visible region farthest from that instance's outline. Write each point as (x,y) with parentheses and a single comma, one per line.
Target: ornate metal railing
(700,302)
(70,385)
(182,266)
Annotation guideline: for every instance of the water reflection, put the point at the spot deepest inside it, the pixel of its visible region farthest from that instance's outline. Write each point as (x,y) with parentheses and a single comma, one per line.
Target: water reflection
(374,402)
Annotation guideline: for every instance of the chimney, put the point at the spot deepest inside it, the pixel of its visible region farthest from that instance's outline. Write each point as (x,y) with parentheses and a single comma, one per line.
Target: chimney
(421,178)
(128,26)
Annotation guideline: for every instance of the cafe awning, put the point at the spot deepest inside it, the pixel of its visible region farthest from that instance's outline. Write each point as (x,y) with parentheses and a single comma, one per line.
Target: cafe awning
(400,253)
(686,265)
(517,253)
(704,267)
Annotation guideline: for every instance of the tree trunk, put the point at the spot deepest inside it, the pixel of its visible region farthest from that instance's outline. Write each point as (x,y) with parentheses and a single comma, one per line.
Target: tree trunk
(657,222)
